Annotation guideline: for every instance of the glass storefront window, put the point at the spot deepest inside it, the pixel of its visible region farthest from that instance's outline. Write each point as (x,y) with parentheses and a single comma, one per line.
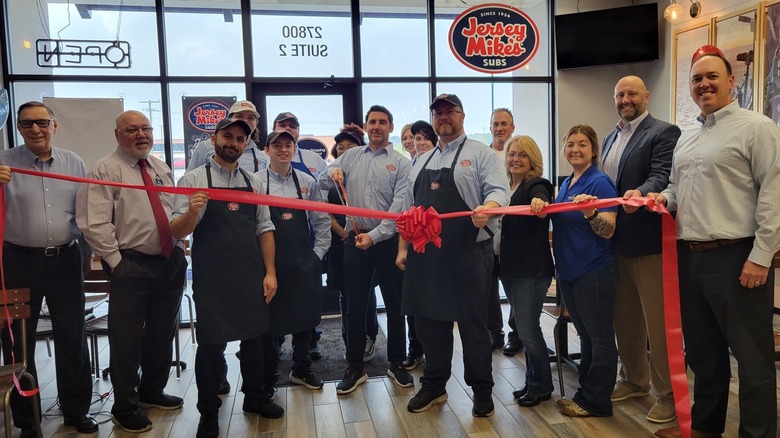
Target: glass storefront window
(87,33)
(144,97)
(393,38)
(407,102)
(311,38)
(529,103)
(204,41)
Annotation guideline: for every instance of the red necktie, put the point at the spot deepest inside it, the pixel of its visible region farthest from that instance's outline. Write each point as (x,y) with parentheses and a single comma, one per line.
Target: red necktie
(163,226)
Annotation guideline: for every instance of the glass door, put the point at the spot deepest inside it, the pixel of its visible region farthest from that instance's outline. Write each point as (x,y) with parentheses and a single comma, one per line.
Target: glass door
(321,110)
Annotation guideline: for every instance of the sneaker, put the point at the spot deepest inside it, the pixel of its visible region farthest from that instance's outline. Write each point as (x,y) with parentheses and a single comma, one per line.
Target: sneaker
(368,353)
(413,362)
(208,427)
(263,406)
(483,404)
(351,381)
(662,412)
(624,390)
(163,401)
(423,400)
(400,376)
(134,422)
(572,409)
(308,380)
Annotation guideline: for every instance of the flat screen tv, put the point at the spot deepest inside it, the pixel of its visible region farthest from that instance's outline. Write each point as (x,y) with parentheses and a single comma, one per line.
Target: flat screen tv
(605,37)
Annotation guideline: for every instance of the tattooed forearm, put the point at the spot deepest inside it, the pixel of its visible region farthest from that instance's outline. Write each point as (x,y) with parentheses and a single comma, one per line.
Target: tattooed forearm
(602,227)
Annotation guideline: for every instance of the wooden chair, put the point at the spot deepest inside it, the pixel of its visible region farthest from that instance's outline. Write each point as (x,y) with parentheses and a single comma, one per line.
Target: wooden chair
(16,303)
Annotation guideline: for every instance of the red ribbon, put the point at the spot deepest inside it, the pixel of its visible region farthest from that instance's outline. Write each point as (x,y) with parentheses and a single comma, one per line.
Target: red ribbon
(421,226)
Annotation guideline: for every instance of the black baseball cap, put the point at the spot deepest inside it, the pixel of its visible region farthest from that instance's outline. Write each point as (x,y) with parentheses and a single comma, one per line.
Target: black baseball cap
(287,116)
(226,122)
(275,135)
(444,97)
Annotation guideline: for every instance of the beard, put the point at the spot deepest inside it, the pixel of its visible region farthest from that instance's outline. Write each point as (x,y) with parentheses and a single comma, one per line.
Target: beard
(229,154)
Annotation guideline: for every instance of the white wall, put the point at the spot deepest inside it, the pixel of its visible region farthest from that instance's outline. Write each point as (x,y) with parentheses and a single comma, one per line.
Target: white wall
(585,96)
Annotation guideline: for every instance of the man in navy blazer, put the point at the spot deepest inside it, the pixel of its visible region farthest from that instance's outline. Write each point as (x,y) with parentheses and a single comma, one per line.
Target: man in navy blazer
(638,158)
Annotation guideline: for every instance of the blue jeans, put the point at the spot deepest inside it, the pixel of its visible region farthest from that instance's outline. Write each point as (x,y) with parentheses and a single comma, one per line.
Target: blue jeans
(590,299)
(526,295)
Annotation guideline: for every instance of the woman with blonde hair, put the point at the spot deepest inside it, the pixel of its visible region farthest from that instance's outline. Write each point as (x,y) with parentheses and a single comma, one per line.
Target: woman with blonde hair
(526,264)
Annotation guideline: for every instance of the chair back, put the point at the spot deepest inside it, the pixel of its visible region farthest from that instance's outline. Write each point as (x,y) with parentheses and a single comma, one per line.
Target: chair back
(14,303)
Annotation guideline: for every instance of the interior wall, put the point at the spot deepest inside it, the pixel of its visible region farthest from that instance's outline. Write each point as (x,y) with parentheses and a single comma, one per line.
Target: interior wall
(585,96)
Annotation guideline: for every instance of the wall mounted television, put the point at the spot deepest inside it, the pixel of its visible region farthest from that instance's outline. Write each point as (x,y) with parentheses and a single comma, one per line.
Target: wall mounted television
(607,37)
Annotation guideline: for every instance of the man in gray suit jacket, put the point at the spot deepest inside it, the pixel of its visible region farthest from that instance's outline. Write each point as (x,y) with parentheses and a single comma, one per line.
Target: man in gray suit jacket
(638,158)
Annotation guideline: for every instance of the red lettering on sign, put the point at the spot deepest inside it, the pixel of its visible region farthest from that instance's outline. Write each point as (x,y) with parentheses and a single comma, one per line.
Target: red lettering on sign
(486,39)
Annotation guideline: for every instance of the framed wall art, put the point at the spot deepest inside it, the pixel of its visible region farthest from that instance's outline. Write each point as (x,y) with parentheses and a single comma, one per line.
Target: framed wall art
(686,41)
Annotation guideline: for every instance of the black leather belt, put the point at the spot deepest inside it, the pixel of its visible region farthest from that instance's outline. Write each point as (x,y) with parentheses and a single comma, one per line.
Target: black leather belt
(49,251)
(695,246)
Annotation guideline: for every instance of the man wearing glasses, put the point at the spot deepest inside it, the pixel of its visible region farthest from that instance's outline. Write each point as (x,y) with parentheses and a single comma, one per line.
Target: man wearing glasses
(129,229)
(40,251)
(448,284)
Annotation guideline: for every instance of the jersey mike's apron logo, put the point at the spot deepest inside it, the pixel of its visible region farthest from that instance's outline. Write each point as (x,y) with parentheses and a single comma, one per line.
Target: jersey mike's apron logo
(233,206)
(204,116)
(287,215)
(493,38)
(435,185)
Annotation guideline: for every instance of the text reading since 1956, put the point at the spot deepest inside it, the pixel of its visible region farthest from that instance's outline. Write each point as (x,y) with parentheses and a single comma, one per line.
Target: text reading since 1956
(302,49)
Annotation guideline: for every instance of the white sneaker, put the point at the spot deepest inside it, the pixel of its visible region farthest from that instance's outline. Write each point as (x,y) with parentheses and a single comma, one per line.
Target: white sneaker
(368,353)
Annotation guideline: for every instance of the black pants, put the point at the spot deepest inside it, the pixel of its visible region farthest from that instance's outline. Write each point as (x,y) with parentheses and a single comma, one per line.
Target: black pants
(61,280)
(437,339)
(301,343)
(495,320)
(718,314)
(208,369)
(359,269)
(142,319)
(415,347)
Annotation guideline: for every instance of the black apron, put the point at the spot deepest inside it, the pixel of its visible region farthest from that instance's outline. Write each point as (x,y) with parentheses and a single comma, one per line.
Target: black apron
(442,283)
(228,271)
(297,305)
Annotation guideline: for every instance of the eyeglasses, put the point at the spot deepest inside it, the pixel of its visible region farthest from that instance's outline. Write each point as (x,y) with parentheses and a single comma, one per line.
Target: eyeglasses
(134,131)
(42,123)
(512,155)
(448,113)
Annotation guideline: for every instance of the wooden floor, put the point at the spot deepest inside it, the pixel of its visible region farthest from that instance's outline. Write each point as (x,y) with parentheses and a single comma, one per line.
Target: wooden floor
(376,409)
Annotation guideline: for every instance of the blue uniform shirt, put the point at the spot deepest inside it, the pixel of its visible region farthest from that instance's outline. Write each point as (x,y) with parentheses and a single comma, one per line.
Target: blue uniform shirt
(576,247)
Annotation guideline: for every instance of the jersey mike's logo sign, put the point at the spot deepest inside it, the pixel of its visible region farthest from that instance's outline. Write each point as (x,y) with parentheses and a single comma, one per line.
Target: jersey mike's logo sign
(493,38)
(204,116)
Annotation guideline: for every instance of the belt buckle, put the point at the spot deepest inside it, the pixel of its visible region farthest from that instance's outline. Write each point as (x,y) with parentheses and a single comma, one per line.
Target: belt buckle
(51,251)
(694,246)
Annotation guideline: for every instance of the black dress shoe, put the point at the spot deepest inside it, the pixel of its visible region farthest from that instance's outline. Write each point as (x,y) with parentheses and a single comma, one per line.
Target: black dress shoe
(518,393)
(83,424)
(529,400)
(513,346)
